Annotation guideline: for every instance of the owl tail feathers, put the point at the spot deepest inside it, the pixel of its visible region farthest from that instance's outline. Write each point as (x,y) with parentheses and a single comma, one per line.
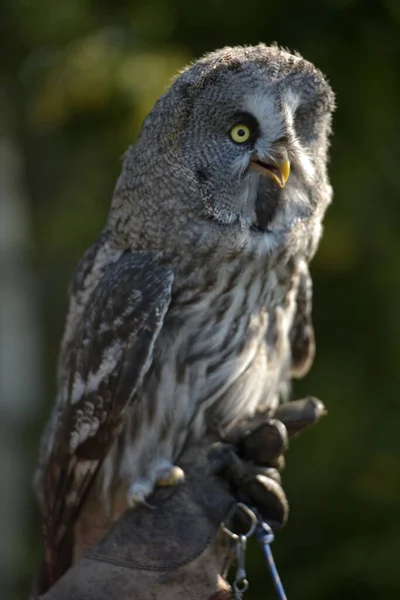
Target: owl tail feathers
(52,566)
(40,583)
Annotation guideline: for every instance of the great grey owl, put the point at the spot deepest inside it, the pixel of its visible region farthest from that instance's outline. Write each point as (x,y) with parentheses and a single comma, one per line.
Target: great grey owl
(192,310)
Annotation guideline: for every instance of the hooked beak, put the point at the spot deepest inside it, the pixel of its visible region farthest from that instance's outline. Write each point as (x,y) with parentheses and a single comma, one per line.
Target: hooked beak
(279,171)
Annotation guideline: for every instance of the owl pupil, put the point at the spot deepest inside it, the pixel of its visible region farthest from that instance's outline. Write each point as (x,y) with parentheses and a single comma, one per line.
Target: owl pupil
(241,132)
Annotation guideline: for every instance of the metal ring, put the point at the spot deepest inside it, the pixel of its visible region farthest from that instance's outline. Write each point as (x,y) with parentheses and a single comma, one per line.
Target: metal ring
(241,586)
(249,513)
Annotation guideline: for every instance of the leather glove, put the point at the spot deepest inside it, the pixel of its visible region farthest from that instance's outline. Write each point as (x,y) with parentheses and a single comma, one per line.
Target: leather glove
(177,550)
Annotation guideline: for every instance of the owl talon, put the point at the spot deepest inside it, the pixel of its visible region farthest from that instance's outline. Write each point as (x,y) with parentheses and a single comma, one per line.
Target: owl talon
(137,495)
(170,476)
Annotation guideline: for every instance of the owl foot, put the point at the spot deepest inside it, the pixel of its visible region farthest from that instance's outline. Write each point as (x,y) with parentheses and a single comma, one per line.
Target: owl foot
(138,492)
(163,474)
(169,475)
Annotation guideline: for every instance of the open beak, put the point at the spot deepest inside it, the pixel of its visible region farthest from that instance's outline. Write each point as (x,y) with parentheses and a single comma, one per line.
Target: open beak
(278,171)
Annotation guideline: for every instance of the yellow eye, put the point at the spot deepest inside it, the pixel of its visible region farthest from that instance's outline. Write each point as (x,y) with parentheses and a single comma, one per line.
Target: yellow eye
(240,133)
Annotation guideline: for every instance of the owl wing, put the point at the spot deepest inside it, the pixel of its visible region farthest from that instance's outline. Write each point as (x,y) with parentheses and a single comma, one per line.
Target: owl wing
(104,364)
(302,341)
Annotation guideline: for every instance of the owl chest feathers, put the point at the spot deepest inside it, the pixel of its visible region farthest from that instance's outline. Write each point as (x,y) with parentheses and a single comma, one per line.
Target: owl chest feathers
(222,355)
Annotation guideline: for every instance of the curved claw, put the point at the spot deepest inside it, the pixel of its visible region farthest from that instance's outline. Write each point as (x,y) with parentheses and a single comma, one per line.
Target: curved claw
(269,498)
(299,414)
(258,487)
(265,444)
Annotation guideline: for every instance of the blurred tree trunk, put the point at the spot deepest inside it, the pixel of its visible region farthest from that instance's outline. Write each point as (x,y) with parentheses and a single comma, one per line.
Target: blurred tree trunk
(20,362)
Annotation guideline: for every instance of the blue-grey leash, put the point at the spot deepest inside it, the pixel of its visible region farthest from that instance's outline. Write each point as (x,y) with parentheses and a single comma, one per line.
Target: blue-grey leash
(265,536)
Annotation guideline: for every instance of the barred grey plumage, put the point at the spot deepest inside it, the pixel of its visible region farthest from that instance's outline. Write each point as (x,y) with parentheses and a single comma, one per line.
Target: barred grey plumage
(192,310)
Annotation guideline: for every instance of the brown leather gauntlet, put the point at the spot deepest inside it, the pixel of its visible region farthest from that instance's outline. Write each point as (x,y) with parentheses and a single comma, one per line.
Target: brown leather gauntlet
(177,550)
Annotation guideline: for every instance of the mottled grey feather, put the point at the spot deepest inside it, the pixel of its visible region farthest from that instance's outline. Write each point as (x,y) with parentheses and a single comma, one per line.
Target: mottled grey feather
(106,362)
(302,340)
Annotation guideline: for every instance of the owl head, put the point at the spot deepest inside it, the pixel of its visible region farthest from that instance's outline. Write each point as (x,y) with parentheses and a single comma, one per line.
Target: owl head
(237,146)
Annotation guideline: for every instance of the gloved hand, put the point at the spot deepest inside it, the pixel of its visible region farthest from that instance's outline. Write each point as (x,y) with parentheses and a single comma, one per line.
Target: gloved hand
(176,550)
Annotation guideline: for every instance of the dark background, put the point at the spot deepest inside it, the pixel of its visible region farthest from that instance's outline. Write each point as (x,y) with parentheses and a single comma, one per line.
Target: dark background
(78,77)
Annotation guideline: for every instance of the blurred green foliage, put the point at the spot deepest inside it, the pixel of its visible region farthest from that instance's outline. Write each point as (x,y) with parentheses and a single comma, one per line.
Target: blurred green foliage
(80,76)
